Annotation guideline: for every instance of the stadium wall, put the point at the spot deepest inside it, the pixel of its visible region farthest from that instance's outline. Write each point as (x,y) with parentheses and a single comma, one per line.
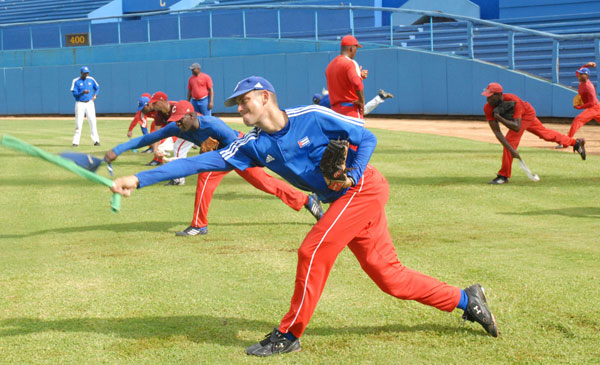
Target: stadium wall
(423,83)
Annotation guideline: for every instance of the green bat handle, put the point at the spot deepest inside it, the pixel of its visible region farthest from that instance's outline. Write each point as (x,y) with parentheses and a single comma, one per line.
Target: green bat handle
(17,144)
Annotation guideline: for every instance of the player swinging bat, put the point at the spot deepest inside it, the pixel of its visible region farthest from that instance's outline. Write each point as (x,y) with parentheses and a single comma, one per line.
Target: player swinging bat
(523,119)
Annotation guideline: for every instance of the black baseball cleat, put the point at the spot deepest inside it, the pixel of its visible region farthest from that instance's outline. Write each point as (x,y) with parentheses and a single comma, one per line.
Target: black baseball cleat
(273,344)
(148,150)
(97,144)
(385,95)
(559,147)
(193,231)
(313,205)
(499,180)
(177,182)
(579,147)
(478,311)
(154,163)
(75,145)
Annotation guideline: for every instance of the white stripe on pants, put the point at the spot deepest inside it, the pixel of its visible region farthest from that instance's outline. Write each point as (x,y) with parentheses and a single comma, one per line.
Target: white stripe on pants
(181,147)
(81,110)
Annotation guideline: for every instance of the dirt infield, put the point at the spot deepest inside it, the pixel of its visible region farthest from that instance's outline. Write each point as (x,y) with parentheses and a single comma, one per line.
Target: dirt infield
(479,131)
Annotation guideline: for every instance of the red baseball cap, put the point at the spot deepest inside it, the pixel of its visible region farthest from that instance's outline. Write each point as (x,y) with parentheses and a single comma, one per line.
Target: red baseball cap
(147,95)
(492,89)
(349,40)
(159,95)
(180,109)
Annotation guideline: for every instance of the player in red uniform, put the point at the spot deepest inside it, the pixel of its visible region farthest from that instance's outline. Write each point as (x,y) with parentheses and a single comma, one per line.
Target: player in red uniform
(524,119)
(344,80)
(200,90)
(590,105)
(161,107)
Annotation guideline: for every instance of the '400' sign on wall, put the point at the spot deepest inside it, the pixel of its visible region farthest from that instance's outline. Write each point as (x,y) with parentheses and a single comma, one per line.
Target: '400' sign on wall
(138,6)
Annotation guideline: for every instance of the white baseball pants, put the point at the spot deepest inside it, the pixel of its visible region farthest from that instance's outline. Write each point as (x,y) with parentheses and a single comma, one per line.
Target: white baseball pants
(372,104)
(81,110)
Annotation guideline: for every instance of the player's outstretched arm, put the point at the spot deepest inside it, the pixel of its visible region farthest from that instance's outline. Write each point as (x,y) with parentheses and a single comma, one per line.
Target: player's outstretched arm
(500,137)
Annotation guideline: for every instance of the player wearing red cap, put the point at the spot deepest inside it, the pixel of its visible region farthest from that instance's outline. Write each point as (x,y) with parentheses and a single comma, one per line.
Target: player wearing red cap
(589,101)
(524,119)
(345,80)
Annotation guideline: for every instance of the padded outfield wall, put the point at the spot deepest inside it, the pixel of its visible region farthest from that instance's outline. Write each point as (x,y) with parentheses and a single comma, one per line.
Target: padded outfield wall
(423,83)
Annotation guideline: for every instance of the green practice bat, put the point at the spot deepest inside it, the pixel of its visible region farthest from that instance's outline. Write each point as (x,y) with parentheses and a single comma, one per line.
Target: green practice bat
(17,144)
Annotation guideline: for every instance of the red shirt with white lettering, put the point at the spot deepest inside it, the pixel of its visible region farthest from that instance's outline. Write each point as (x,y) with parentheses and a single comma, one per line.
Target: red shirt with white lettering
(343,79)
(200,85)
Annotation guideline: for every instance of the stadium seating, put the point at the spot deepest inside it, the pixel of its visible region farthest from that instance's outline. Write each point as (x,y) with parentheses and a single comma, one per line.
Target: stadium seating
(15,11)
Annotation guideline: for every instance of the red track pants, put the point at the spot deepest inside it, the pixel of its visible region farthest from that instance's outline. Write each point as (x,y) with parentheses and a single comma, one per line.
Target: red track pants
(208,182)
(533,126)
(584,117)
(358,220)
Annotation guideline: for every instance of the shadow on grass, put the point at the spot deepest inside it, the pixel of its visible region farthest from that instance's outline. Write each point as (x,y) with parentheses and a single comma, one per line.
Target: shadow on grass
(199,329)
(578,212)
(143,227)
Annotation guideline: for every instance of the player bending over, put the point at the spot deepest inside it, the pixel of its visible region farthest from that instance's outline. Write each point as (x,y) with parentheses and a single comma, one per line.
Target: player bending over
(202,130)
(291,143)
(523,119)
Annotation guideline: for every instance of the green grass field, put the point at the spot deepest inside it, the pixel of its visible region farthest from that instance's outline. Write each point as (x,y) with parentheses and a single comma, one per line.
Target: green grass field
(79,284)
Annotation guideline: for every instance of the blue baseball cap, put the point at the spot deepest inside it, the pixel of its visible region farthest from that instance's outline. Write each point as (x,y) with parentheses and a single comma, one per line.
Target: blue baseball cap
(317,98)
(583,70)
(249,84)
(142,102)
(85,69)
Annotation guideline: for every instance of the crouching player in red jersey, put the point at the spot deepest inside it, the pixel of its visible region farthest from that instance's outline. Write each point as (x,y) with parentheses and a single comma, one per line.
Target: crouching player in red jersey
(291,143)
(195,128)
(524,119)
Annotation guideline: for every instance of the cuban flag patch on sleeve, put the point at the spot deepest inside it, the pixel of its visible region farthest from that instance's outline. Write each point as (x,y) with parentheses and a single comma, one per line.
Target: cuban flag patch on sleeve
(304,142)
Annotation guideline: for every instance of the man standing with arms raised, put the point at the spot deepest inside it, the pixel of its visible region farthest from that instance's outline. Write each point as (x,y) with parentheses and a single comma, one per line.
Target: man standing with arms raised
(345,80)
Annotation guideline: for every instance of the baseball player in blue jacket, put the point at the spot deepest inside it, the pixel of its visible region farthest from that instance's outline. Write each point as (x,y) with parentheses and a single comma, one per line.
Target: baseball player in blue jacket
(195,128)
(291,143)
(85,90)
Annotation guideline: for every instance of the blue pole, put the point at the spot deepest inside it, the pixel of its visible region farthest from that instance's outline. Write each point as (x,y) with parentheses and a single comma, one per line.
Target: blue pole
(30,37)
(179,26)
(90,32)
(210,30)
(391,29)
(60,36)
(431,33)
(244,22)
(555,45)
(148,28)
(470,40)
(316,26)
(278,24)
(351,21)
(511,50)
(597,48)
(119,31)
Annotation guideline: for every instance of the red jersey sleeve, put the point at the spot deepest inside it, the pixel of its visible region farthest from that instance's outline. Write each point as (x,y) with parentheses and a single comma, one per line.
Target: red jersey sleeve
(209,82)
(135,121)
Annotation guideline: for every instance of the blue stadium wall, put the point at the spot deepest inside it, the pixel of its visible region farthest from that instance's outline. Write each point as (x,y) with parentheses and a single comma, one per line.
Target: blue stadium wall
(423,83)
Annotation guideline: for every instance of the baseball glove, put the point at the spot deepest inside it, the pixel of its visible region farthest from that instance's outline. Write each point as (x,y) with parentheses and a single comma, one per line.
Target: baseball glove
(209,144)
(577,101)
(333,165)
(506,109)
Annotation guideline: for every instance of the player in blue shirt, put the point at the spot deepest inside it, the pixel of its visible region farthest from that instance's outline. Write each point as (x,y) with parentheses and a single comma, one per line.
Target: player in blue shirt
(85,90)
(291,143)
(196,128)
